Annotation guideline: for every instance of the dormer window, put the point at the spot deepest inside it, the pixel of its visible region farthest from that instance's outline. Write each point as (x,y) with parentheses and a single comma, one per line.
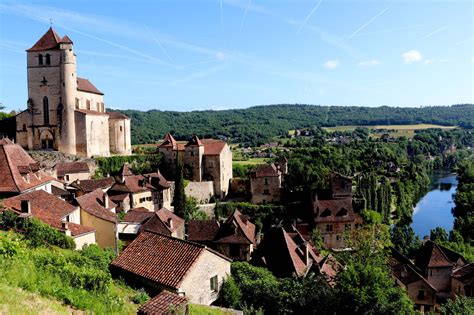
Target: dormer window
(48,59)
(40,59)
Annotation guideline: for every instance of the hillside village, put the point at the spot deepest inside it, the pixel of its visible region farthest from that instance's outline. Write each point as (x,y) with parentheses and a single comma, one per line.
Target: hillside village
(178,226)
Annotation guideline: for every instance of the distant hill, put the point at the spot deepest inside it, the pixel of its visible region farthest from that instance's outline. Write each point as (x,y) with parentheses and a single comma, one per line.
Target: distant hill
(258,124)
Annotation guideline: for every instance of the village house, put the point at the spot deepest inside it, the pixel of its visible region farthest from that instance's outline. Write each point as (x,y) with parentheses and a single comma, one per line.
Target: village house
(165,303)
(19,173)
(66,112)
(54,212)
(265,184)
(285,252)
(82,187)
(234,238)
(98,211)
(162,221)
(151,191)
(203,159)
(436,275)
(71,171)
(158,262)
(333,211)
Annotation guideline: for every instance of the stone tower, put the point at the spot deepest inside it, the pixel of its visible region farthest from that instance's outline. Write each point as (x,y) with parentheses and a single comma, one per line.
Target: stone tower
(194,151)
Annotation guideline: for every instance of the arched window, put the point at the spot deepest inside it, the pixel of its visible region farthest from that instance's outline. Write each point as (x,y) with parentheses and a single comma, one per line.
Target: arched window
(48,59)
(40,59)
(46,110)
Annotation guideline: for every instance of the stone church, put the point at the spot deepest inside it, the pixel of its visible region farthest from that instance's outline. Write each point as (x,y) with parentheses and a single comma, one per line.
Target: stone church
(66,112)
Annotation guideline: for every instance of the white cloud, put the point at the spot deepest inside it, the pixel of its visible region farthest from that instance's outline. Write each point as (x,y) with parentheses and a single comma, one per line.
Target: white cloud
(331,64)
(429,61)
(412,56)
(369,63)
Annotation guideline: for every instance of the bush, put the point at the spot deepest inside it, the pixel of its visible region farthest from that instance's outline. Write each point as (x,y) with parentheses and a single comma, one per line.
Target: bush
(462,305)
(230,294)
(141,297)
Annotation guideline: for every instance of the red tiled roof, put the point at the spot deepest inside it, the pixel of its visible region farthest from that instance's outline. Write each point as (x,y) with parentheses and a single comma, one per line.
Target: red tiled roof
(139,183)
(137,215)
(71,168)
(202,230)
(434,255)
(160,258)
(213,146)
(87,86)
(265,170)
(465,274)
(66,40)
(333,210)
(93,204)
(159,222)
(90,112)
(194,141)
(59,191)
(168,141)
(46,207)
(88,185)
(117,115)
(125,170)
(15,165)
(245,234)
(165,303)
(50,40)
(329,268)
(77,229)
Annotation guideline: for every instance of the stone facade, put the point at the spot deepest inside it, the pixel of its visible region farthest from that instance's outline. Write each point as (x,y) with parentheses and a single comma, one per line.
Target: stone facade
(65,112)
(202,191)
(204,160)
(265,184)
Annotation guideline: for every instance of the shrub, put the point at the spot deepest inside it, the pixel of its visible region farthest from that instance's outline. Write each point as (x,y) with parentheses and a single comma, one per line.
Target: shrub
(141,297)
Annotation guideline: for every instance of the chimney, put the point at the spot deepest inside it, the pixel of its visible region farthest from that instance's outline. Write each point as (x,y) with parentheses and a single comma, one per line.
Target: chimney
(105,201)
(170,223)
(26,206)
(65,227)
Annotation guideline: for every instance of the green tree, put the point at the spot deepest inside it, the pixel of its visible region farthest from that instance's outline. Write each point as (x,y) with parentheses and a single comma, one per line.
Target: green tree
(230,295)
(317,238)
(179,198)
(462,305)
(438,234)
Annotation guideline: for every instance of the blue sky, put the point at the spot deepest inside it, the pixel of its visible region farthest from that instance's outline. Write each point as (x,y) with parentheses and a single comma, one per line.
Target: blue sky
(197,54)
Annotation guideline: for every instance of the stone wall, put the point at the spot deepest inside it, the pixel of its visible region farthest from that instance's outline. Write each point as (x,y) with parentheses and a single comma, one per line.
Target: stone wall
(208,208)
(202,191)
(197,283)
(265,189)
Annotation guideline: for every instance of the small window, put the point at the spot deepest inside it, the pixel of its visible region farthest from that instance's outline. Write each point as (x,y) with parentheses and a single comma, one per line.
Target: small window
(234,250)
(98,106)
(266,181)
(48,59)
(121,129)
(192,153)
(421,295)
(67,177)
(77,103)
(348,226)
(214,284)
(40,59)
(338,237)
(24,127)
(88,105)
(266,192)
(328,227)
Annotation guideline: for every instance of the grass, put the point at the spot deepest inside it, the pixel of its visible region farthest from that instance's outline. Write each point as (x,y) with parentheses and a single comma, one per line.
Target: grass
(197,309)
(395,130)
(250,161)
(17,301)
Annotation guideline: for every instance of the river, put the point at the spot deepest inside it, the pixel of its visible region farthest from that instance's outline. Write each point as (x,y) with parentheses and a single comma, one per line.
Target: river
(434,209)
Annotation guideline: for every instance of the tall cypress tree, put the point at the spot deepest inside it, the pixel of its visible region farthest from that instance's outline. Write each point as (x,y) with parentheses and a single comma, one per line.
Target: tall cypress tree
(179,199)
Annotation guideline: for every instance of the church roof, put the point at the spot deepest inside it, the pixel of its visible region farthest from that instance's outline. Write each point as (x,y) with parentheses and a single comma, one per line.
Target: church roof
(50,40)
(87,86)
(66,40)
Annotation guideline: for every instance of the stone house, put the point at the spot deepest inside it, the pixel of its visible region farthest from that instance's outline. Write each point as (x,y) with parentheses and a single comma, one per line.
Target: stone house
(55,212)
(158,262)
(98,211)
(203,160)
(265,184)
(162,221)
(234,238)
(436,275)
(82,187)
(151,191)
(19,173)
(65,112)
(72,171)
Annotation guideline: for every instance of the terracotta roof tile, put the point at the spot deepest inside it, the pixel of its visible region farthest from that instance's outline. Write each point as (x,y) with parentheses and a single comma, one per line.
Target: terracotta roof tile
(50,40)
(66,40)
(159,222)
(138,183)
(202,230)
(213,146)
(434,255)
(160,258)
(168,141)
(46,207)
(71,168)
(87,86)
(265,170)
(117,115)
(165,303)
(59,191)
(137,215)
(88,185)
(18,171)
(329,268)
(90,112)
(93,204)
(77,229)
(244,234)
(194,141)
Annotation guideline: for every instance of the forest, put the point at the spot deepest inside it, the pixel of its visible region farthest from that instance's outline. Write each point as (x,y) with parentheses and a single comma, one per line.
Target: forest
(245,125)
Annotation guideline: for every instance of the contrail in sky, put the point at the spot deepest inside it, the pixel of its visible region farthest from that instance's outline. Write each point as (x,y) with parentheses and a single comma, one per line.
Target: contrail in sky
(159,44)
(435,32)
(243,18)
(368,22)
(309,16)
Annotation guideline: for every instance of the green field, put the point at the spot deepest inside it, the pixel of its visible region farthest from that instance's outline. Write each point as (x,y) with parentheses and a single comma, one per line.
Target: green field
(251,161)
(395,130)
